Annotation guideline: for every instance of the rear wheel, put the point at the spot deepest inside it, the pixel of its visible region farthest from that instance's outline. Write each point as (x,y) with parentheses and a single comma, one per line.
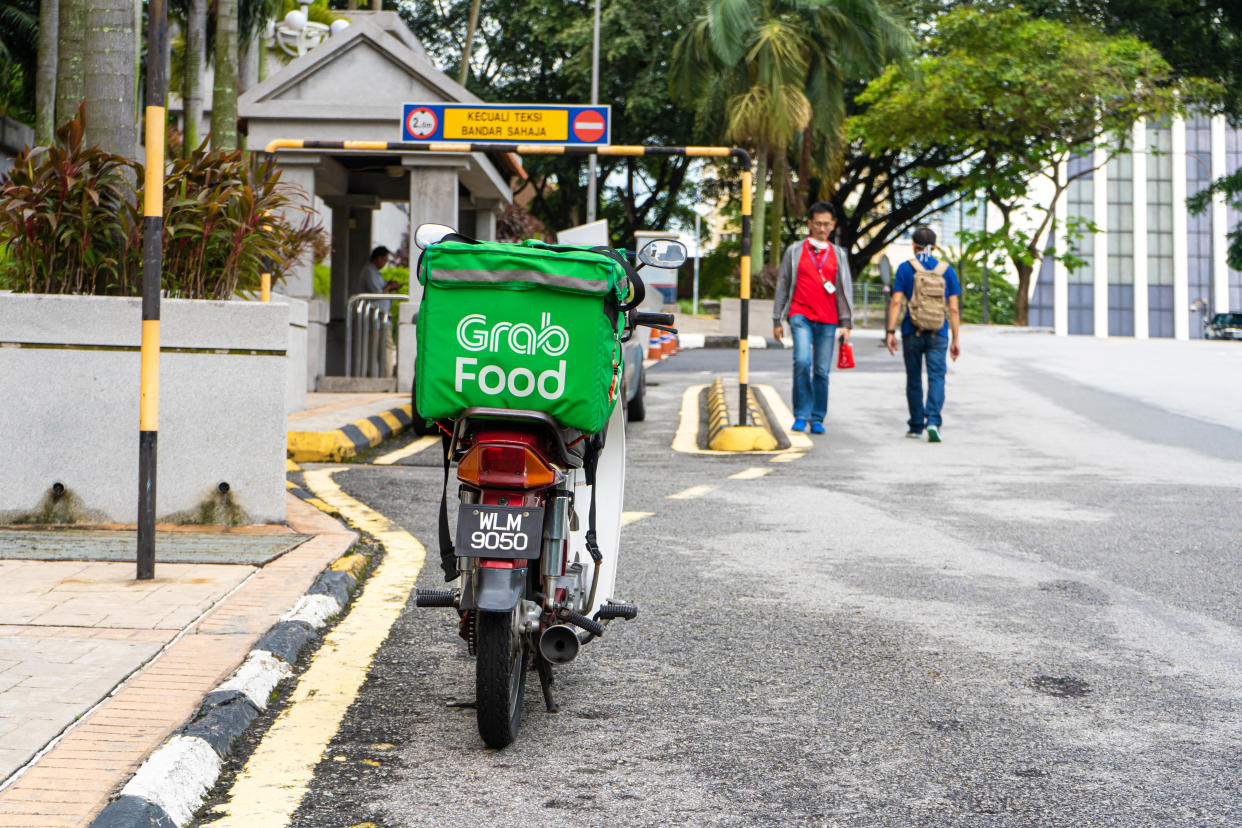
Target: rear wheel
(500,677)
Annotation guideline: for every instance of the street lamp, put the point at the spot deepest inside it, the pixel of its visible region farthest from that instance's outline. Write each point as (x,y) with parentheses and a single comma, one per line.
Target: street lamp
(594,102)
(297,34)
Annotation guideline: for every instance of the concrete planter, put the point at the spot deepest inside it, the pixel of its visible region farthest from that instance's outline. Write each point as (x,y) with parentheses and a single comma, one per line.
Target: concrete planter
(69,381)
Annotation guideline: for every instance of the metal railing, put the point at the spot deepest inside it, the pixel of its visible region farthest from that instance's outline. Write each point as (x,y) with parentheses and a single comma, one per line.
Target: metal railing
(366,340)
(870,303)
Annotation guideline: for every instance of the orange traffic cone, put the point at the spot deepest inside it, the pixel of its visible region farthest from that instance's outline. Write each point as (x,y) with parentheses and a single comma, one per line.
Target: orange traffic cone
(654,349)
(666,343)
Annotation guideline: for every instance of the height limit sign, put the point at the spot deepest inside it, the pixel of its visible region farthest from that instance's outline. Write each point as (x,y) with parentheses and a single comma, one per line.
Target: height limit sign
(506,123)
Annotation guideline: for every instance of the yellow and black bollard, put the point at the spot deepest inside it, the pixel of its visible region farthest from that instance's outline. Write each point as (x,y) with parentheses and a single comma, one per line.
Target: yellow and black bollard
(152,266)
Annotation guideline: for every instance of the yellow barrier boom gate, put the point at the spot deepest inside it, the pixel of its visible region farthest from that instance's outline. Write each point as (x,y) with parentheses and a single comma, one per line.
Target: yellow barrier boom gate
(740,155)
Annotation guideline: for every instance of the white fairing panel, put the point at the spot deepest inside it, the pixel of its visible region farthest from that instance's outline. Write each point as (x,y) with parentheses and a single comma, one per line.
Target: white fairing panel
(609,502)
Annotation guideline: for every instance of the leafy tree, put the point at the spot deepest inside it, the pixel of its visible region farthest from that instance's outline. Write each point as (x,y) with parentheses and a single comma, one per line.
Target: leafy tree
(1017,96)
(764,72)
(1198,38)
(539,51)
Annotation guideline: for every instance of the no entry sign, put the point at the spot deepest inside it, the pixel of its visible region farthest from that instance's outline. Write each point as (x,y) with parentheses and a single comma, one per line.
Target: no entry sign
(517,123)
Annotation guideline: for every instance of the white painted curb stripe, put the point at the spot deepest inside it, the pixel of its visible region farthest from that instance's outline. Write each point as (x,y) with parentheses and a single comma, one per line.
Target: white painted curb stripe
(689,340)
(257,677)
(315,610)
(176,777)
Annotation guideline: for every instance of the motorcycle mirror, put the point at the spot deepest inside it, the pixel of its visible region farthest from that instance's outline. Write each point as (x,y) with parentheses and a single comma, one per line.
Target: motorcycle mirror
(667,253)
(428,234)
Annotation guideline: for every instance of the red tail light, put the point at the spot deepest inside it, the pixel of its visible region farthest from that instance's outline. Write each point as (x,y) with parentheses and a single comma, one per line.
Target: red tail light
(504,467)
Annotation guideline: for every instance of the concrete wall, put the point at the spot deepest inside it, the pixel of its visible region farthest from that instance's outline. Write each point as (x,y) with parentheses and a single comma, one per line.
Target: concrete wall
(760,317)
(69,378)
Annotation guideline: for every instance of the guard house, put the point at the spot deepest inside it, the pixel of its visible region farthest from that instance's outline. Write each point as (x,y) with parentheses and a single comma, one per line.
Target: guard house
(352,88)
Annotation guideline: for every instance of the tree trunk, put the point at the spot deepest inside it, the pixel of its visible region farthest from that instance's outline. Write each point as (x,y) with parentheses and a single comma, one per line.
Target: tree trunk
(224,90)
(779,174)
(70,77)
(804,175)
(192,73)
(471,24)
(1022,303)
(45,77)
(758,209)
(108,82)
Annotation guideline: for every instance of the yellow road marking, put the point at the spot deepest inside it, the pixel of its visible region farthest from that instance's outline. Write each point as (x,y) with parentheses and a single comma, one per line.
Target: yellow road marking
(277,776)
(634,517)
(692,492)
(408,451)
(788,457)
(291,466)
(750,474)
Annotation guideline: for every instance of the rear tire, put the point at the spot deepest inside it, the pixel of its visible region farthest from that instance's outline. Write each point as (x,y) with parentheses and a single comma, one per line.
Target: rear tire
(500,677)
(636,410)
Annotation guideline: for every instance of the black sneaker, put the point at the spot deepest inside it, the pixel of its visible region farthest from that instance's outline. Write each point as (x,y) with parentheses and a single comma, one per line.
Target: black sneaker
(914,434)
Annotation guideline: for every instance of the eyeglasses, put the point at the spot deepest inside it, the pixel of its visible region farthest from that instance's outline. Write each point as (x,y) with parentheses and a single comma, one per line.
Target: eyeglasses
(825,224)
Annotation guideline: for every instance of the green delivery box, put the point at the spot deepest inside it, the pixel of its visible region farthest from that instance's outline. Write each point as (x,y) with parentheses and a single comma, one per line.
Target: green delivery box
(520,326)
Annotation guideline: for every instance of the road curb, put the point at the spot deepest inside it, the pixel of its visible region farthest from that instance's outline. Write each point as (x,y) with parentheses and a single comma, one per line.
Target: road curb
(688,341)
(348,440)
(171,785)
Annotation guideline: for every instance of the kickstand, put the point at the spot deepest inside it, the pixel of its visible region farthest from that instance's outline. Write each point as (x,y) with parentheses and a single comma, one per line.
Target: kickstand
(545,683)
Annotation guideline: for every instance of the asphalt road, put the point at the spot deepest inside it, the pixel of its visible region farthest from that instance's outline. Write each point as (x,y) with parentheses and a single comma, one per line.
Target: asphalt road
(1033,623)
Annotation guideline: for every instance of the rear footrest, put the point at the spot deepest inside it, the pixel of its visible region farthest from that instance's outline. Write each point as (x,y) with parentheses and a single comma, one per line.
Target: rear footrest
(609,611)
(436,598)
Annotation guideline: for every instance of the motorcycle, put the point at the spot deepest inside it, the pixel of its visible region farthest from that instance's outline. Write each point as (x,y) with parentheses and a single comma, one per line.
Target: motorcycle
(538,531)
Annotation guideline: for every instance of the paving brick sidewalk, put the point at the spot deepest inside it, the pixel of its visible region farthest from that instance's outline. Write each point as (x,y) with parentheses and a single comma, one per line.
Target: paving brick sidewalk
(97,669)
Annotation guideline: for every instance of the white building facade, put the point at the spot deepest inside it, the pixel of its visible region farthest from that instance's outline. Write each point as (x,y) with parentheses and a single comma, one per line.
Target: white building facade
(1153,269)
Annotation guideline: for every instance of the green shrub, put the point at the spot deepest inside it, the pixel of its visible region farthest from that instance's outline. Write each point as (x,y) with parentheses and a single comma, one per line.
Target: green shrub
(1001,296)
(71,222)
(69,218)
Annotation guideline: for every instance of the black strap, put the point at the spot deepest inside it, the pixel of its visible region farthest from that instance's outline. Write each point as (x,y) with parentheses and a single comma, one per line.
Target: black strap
(448,554)
(590,462)
(636,281)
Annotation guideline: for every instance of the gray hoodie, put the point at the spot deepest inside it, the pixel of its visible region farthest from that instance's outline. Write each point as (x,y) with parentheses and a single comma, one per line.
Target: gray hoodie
(788,274)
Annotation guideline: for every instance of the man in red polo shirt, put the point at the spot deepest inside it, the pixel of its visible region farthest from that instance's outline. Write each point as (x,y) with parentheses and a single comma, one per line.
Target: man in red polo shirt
(814,290)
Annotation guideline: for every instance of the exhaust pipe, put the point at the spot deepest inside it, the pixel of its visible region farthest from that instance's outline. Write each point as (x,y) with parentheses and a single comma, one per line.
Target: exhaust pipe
(559,644)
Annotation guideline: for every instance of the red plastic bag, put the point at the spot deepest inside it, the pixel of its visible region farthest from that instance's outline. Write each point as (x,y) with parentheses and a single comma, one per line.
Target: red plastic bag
(845,358)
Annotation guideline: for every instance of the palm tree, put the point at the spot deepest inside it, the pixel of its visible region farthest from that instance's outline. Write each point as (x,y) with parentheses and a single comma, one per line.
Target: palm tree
(45,83)
(224,90)
(761,71)
(110,59)
(70,68)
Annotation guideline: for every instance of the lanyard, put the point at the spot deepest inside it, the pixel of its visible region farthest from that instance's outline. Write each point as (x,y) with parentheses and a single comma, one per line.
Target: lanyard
(818,258)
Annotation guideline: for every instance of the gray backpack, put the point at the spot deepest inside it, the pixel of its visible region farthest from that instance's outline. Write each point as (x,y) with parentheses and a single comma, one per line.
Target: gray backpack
(927,304)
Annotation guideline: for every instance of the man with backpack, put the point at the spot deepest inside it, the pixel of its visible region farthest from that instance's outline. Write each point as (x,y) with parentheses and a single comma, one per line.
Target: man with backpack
(932,315)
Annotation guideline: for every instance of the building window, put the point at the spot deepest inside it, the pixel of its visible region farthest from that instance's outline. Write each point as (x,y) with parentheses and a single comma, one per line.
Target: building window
(1199,227)
(1121,245)
(1233,160)
(1160,230)
(1080,198)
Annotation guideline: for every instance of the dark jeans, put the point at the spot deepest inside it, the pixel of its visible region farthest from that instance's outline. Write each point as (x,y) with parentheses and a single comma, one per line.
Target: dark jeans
(812,354)
(916,348)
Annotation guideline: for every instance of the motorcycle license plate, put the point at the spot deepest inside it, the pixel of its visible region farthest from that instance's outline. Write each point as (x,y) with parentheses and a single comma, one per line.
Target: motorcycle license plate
(485,531)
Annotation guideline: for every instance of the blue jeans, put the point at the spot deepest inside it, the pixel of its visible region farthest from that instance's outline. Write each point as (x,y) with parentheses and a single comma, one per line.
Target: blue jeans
(812,346)
(915,348)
